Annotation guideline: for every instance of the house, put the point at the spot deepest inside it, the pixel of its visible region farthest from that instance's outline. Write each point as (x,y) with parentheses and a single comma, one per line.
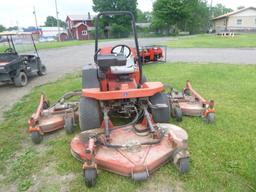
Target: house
(243,20)
(79,26)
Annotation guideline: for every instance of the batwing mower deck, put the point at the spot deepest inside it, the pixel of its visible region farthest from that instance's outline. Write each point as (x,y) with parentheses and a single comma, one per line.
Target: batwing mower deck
(191,103)
(48,119)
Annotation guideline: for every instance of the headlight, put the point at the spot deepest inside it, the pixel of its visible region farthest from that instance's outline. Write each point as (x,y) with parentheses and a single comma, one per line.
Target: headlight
(1,67)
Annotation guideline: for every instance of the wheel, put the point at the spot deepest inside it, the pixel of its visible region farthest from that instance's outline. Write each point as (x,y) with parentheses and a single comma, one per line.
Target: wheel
(90,177)
(42,70)
(36,137)
(161,115)
(90,116)
(210,118)
(178,114)
(69,125)
(21,79)
(183,165)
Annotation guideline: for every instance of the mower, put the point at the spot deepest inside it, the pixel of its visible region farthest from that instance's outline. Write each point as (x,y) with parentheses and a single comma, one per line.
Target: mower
(190,103)
(115,87)
(19,58)
(46,119)
(153,54)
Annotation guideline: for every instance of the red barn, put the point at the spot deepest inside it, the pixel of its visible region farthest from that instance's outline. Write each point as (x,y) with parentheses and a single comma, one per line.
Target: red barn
(78,26)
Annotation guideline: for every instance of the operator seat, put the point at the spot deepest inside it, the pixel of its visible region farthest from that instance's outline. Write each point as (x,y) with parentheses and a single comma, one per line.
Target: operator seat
(130,67)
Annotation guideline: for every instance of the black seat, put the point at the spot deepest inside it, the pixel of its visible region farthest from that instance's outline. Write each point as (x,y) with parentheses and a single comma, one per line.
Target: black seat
(106,61)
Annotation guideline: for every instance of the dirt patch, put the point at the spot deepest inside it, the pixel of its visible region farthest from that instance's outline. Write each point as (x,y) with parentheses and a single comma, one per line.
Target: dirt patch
(49,180)
(159,183)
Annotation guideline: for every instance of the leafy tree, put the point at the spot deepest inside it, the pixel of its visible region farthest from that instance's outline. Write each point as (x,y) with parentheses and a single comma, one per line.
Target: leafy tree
(52,22)
(2,28)
(220,9)
(144,17)
(170,13)
(118,26)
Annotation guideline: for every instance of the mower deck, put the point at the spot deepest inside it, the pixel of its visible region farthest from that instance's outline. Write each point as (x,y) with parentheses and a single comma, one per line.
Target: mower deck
(191,103)
(133,159)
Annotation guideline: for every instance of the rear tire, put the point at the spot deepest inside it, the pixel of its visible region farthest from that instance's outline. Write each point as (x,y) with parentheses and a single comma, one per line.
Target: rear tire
(21,79)
(90,116)
(161,115)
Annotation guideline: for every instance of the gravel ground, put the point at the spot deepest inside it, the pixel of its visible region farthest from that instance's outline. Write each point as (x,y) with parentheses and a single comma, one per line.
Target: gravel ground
(69,59)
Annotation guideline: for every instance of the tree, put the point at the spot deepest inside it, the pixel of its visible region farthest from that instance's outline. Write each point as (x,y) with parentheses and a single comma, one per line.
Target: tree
(118,26)
(220,9)
(2,28)
(144,17)
(52,22)
(178,14)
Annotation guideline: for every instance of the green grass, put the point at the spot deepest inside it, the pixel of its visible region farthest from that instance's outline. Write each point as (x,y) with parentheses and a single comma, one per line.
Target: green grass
(223,154)
(213,41)
(56,44)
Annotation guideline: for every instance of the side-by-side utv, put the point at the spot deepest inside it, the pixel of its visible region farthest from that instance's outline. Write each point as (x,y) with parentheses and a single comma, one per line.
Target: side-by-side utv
(19,58)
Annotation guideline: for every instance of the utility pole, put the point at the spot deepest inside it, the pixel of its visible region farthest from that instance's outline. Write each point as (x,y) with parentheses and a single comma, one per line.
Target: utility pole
(57,17)
(34,12)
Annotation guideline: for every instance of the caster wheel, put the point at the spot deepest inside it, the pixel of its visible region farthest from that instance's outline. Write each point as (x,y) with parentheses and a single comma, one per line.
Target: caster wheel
(69,125)
(183,165)
(178,114)
(90,177)
(210,118)
(36,137)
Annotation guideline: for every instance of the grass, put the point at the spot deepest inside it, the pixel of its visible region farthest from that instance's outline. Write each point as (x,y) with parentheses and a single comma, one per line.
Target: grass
(222,154)
(56,44)
(213,41)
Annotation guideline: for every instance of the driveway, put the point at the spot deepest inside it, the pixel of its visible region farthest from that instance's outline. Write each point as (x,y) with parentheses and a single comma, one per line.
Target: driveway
(69,59)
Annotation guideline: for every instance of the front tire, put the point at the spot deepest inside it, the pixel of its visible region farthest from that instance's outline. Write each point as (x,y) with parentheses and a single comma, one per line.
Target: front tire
(90,116)
(42,70)
(21,79)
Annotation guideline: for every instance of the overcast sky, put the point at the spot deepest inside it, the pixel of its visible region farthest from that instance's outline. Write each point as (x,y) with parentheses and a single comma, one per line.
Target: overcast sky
(20,12)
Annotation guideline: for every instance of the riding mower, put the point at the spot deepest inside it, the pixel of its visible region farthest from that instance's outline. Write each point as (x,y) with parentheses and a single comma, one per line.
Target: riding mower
(116,86)
(153,54)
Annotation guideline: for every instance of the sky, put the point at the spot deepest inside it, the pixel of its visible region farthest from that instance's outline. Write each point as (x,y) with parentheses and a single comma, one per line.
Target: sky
(20,12)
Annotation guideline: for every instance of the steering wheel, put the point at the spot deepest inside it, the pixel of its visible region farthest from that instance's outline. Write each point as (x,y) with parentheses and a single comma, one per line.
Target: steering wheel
(8,50)
(123,49)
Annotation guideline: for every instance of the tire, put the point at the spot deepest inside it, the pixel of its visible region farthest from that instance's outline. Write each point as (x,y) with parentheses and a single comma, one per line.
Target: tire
(42,70)
(90,117)
(161,115)
(90,177)
(210,118)
(178,114)
(36,137)
(69,125)
(21,79)
(183,165)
